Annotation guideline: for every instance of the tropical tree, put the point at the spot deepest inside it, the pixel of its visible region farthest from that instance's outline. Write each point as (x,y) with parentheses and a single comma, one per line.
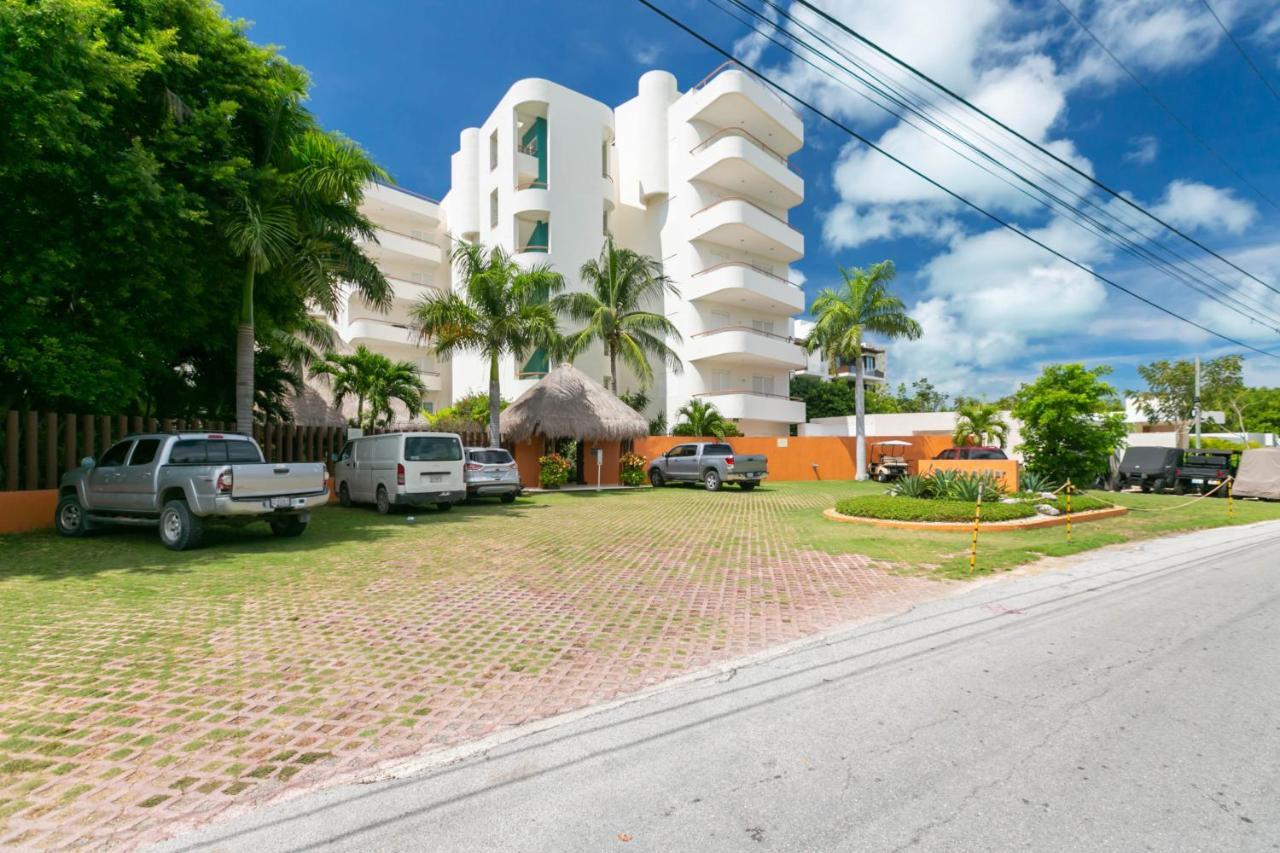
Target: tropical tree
(980,423)
(698,418)
(861,304)
(622,283)
(1070,426)
(500,309)
(297,218)
(374,379)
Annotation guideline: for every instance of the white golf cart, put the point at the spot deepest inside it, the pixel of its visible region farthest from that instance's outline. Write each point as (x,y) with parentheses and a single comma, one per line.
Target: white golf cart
(886,461)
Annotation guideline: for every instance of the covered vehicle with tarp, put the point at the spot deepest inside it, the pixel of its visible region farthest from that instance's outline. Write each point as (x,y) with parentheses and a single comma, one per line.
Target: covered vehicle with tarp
(1259,474)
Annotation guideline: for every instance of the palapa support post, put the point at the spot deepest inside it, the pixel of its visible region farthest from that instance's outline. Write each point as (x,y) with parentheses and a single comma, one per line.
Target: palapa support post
(977,519)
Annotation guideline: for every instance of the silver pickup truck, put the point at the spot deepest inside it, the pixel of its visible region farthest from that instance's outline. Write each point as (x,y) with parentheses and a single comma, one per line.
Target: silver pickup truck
(711,464)
(181,481)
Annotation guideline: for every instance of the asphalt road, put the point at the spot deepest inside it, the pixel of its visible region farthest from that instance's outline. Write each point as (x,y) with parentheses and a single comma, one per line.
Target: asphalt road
(1128,702)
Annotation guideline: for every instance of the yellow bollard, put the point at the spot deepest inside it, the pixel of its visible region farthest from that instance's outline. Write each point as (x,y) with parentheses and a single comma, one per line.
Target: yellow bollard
(977,518)
(1231,510)
(1070,489)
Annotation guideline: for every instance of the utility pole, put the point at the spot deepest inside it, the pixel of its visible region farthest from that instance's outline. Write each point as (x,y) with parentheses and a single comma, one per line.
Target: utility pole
(1197,403)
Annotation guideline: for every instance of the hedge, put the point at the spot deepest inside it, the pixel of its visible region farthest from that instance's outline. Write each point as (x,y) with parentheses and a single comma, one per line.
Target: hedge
(925,509)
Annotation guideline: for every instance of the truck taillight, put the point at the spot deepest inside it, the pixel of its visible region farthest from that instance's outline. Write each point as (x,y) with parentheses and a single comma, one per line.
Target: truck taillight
(474,466)
(728,460)
(399,473)
(225,481)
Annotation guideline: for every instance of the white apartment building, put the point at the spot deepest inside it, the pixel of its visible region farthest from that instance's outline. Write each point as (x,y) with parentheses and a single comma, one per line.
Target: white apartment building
(699,179)
(875,361)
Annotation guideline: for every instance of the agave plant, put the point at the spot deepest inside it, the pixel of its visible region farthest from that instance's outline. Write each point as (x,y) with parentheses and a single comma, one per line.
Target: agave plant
(966,487)
(1035,481)
(912,486)
(941,481)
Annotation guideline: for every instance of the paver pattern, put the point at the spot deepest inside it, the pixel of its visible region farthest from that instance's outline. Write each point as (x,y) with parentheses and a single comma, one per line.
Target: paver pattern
(143,692)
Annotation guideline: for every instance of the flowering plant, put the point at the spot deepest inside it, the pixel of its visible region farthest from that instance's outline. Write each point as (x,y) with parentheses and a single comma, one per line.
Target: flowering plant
(553,471)
(632,469)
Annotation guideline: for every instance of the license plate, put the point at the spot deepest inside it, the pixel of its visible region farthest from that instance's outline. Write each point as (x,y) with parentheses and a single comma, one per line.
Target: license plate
(1197,480)
(281,503)
(435,478)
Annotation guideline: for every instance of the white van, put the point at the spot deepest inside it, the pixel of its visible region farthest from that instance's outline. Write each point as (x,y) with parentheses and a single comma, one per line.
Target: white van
(398,468)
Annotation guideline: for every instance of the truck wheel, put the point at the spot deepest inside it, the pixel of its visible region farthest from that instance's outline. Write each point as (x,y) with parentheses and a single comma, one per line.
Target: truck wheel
(444,506)
(180,529)
(746,487)
(344,495)
(287,528)
(1179,487)
(1145,486)
(656,479)
(711,480)
(70,518)
(1157,485)
(509,498)
(1118,485)
(383,502)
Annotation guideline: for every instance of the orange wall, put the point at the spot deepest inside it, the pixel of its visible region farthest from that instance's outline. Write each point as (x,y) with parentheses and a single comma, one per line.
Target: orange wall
(526,454)
(1006,469)
(835,455)
(23,511)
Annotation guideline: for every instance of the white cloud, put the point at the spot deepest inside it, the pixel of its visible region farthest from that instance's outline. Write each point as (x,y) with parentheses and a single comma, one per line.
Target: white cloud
(647,54)
(1142,150)
(1188,204)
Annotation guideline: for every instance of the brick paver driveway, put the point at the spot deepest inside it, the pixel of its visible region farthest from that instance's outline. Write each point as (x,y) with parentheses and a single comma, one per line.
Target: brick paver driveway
(143,691)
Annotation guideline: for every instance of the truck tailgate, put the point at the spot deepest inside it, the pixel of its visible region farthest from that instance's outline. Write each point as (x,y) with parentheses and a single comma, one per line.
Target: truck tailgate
(277,479)
(749,463)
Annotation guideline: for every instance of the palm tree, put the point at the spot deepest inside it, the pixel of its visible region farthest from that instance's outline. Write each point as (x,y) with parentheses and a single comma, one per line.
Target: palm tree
(297,220)
(373,378)
(979,423)
(500,308)
(701,418)
(862,304)
(622,283)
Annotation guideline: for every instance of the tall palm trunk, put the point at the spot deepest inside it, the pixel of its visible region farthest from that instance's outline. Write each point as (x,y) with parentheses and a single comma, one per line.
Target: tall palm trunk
(613,366)
(860,418)
(244,356)
(495,391)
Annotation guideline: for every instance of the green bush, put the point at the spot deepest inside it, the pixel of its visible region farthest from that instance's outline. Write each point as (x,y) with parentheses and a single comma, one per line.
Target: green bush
(553,471)
(922,509)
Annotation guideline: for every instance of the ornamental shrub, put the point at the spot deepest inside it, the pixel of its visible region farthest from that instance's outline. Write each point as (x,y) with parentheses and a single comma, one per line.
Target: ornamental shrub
(553,471)
(922,509)
(632,469)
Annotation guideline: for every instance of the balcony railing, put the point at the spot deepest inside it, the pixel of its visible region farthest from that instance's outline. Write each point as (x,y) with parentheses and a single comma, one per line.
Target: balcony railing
(420,239)
(407,192)
(752,392)
(532,185)
(730,65)
(748,265)
(746,201)
(530,148)
(536,248)
(785,338)
(745,134)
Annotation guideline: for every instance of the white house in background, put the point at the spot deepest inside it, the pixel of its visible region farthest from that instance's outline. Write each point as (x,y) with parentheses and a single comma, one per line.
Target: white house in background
(698,179)
(875,361)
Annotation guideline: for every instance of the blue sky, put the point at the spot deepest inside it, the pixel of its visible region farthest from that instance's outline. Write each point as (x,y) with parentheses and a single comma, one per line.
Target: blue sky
(405,77)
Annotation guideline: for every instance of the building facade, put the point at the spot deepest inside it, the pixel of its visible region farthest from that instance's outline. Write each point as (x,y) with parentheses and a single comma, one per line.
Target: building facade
(875,361)
(698,179)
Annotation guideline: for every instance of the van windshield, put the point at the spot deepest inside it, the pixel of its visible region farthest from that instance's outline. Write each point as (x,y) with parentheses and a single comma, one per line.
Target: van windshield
(429,448)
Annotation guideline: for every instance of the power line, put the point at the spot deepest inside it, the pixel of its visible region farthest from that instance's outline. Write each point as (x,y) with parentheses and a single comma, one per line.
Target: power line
(1248,59)
(1094,226)
(1115,194)
(1200,140)
(993,217)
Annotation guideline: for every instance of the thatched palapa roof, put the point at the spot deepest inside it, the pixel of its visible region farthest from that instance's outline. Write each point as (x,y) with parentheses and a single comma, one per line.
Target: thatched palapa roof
(568,403)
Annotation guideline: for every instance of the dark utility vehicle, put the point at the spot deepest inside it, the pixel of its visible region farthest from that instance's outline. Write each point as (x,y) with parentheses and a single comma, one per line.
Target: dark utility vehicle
(1155,469)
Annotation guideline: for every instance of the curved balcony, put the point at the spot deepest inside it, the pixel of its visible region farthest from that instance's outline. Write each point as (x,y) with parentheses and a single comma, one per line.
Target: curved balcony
(410,292)
(740,283)
(741,224)
(735,160)
(432,380)
(382,201)
(396,245)
(731,97)
(745,404)
(745,345)
(531,197)
(366,331)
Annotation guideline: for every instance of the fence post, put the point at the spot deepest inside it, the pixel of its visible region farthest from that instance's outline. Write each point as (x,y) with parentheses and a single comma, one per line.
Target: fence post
(69,458)
(11,450)
(977,519)
(104,427)
(90,440)
(31,443)
(1070,489)
(51,450)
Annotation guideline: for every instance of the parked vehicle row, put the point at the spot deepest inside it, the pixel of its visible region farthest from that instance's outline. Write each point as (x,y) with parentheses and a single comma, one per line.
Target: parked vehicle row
(1156,469)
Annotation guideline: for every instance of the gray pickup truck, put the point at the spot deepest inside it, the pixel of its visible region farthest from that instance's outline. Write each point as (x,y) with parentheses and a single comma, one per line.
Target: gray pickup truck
(181,481)
(711,464)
